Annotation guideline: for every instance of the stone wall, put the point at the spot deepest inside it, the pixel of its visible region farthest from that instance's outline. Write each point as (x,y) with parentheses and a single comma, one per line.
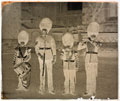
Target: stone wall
(11,20)
(17,16)
(32,13)
(105,14)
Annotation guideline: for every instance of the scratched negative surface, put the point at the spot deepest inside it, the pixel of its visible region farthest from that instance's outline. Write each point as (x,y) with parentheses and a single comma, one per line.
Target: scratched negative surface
(44,50)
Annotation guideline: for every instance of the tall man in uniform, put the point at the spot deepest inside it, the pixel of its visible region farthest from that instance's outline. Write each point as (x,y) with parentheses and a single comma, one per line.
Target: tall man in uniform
(68,57)
(46,51)
(91,58)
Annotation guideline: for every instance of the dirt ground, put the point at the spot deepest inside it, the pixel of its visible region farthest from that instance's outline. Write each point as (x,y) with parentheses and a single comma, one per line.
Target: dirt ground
(107,81)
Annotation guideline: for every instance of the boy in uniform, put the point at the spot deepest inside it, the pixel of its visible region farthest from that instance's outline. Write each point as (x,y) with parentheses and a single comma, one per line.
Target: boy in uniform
(68,56)
(21,61)
(91,58)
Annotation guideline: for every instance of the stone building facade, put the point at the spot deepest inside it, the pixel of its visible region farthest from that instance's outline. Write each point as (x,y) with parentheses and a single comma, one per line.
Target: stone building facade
(27,15)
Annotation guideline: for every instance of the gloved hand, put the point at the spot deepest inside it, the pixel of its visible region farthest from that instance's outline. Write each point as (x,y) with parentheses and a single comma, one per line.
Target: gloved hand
(54,59)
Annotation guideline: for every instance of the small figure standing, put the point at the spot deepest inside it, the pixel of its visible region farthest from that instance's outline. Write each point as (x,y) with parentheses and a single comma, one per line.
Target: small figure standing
(46,52)
(68,57)
(91,58)
(21,61)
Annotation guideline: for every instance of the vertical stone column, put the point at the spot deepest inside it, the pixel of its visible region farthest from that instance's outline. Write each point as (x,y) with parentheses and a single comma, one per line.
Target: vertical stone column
(113,10)
(11,20)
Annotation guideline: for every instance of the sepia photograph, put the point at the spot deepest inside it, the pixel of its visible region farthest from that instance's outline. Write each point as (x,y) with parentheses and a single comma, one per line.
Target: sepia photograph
(59,50)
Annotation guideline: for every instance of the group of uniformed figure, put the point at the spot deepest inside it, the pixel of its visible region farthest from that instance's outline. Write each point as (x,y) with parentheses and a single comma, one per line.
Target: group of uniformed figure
(45,49)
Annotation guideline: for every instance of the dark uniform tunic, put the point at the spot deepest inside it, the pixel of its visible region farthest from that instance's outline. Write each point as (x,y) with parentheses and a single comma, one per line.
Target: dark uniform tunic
(21,65)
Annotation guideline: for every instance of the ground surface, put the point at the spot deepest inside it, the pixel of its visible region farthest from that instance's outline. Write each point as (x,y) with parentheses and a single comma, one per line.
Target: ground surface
(107,81)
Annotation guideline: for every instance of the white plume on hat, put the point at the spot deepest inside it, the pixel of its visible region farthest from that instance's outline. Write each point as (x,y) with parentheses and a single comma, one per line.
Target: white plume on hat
(68,39)
(45,23)
(93,29)
(23,36)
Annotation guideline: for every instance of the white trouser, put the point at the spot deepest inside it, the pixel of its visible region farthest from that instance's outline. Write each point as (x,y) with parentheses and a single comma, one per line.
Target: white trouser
(91,74)
(48,66)
(20,82)
(20,85)
(69,83)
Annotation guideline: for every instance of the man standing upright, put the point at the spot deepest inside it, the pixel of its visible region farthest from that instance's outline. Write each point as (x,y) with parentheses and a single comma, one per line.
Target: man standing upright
(46,51)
